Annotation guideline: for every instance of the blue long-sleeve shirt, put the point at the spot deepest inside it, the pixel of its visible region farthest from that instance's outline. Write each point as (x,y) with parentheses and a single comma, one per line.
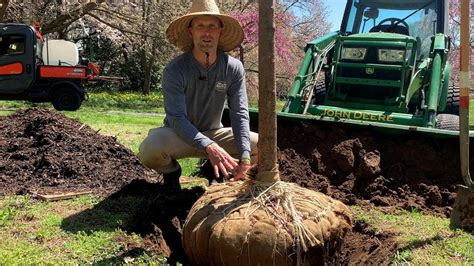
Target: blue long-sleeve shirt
(194,99)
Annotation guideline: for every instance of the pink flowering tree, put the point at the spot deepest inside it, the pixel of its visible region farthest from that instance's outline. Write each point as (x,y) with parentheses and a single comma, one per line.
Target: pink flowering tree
(454,23)
(292,32)
(283,41)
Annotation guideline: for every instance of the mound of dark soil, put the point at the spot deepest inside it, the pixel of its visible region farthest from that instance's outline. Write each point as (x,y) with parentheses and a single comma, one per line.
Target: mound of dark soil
(356,166)
(43,151)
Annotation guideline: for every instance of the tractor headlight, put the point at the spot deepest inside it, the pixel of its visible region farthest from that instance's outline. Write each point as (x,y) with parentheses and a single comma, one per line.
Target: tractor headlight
(391,55)
(353,53)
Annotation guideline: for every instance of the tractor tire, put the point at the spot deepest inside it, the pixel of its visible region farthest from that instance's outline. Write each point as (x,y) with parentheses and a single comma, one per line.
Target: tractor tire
(66,99)
(319,92)
(452,101)
(447,121)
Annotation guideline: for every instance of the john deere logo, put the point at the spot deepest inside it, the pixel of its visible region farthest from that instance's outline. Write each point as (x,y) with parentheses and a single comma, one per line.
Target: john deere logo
(369,70)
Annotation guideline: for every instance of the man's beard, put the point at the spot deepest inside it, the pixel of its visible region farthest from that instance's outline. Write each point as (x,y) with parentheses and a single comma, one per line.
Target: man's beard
(206,47)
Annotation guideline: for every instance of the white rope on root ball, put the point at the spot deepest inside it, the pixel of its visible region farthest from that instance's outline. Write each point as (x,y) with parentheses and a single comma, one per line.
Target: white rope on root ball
(251,223)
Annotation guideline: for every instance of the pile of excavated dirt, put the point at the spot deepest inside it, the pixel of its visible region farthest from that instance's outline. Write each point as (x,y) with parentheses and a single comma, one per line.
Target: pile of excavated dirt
(44,151)
(359,167)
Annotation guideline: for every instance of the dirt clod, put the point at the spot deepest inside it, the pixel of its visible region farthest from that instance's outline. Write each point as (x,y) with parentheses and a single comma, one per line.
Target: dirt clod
(357,166)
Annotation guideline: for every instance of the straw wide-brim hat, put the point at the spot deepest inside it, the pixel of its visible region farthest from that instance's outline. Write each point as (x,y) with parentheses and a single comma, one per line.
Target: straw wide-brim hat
(231,37)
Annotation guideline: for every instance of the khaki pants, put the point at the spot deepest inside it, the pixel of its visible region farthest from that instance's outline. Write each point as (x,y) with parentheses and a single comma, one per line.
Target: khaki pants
(162,147)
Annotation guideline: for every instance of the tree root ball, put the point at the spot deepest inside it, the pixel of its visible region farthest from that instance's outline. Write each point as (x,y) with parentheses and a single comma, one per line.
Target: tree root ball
(253,223)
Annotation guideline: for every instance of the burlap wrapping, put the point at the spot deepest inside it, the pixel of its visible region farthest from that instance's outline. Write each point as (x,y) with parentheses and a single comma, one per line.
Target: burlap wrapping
(242,223)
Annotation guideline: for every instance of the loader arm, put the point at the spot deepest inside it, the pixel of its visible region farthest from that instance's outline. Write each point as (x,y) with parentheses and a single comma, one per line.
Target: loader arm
(437,66)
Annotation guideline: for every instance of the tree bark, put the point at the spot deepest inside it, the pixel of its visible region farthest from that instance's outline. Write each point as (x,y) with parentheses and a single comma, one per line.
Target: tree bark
(149,68)
(148,71)
(267,153)
(146,64)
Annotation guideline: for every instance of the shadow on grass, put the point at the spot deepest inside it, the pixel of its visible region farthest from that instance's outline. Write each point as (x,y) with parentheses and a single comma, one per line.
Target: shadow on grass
(150,210)
(422,243)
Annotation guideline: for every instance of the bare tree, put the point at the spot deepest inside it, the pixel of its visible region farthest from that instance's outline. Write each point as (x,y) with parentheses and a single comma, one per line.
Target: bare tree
(139,26)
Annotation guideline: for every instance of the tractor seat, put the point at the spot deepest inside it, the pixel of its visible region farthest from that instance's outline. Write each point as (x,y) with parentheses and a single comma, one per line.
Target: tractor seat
(390,28)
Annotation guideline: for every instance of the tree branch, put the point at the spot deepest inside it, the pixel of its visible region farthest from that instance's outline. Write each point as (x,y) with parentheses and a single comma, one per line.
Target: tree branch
(120,29)
(64,20)
(3,8)
(289,6)
(247,5)
(118,15)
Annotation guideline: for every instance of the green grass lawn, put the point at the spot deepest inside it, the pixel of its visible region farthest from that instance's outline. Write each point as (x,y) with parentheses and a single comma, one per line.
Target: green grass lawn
(424,239)
(102,101)
(129,128)
(33,232)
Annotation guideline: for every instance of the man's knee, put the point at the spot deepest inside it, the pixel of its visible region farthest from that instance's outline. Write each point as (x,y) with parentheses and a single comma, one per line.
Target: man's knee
(152,150)
(153,157)
(148,153)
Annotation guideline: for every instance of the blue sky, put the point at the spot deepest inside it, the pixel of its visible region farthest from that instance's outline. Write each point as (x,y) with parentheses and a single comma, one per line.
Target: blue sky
(336,8)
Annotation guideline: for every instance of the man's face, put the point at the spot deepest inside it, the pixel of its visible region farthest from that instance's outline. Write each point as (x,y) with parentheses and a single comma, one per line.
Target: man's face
(205,32)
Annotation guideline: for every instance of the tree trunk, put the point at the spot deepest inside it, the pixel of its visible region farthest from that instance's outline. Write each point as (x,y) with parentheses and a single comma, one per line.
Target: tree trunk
(267,153)
(241,54)
(149,69)
(146,65)
(147,81)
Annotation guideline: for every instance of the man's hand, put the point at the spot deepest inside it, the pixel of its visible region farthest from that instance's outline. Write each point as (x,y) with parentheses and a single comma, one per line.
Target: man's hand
(242,169)
(221,160)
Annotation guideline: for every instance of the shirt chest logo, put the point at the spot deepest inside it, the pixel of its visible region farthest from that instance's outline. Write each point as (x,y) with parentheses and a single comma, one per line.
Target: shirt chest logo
(221,86)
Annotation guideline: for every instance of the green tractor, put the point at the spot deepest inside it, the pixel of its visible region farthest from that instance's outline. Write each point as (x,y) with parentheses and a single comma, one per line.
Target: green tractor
(387,67)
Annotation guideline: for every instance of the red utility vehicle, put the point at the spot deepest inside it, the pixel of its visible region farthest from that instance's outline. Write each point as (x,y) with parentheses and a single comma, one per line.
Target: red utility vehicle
(41,71)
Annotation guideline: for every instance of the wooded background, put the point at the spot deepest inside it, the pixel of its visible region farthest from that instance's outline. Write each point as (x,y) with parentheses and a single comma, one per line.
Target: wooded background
(126,38)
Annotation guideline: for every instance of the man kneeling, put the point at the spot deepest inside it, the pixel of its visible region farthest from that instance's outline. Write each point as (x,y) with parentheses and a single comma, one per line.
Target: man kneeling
(196,85)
